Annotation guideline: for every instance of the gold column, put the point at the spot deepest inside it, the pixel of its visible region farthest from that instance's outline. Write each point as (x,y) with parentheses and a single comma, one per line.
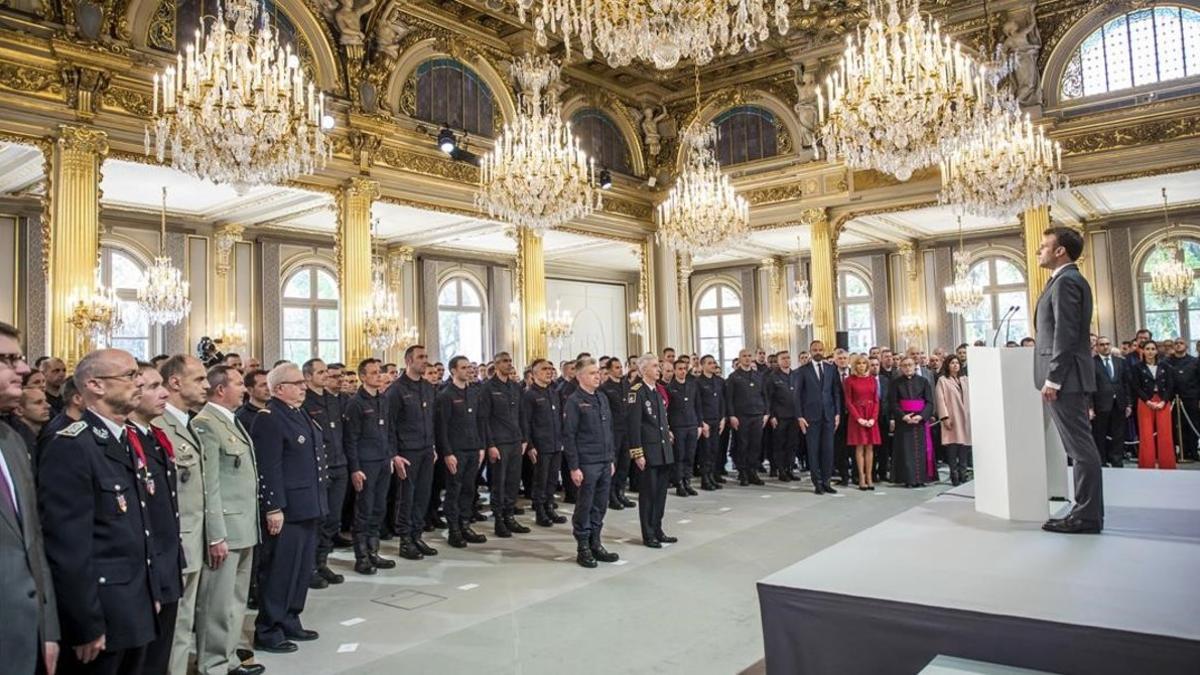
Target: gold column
(1034,222)
(224,294)
(646,289)
(531,285)
(823,275)
(683,271)
(74,232)
(354,264)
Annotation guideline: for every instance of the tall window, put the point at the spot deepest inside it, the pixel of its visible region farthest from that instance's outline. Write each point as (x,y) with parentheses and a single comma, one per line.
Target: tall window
(1004,286)
(460,320)
(311,322)
(124,274)
(1145,46)
(854,310)
(601,139)
(746,133)
(719,323)
(450,93)
(1170,319)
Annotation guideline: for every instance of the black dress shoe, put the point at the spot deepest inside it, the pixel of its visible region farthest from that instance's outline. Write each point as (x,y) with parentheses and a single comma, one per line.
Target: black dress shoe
(409,550)
(665,539)
(329,575)
(439,523)
(652,543)
(473,537)
(305,635)
(826,487)
(614,504)
(556,518)
(478,517)
(456,539)
(364,566)
(687,485)
(424,548)
(514,526)
(381,562)
(245,655)
(743,480)
(284,647)
(542,518)
(252,669)
(680,492)
(386,535)
(518,511)
(1072,525)
(501,530)
(599,553)
(817,489)
(342,542)
(584,558)
(626,501)
(317,582)
(754,479)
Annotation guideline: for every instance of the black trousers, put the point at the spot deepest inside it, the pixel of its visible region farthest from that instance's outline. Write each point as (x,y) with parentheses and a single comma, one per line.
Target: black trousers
(158,653)
(749,442)
(728,438)
(652,499)
(685,451)
(505,476)
(708,449)
(843,458)
(118,662)
(460,489)
(283,580)
(1108,431)
(1069,413)
(592,503)
(435,490)
(369,507)
(785,441)
(545,473)
(820,450)
(956,458)
(413,498)
(621,464)
(339,478)
(1185,436)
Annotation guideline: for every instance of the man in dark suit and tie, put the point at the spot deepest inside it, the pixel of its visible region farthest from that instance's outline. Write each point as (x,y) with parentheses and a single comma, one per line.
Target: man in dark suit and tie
(1111,406)
(819,404)
(1066,374)
(29,631)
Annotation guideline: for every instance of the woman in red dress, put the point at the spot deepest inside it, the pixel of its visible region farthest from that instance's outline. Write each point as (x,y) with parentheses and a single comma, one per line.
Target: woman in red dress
(862,429)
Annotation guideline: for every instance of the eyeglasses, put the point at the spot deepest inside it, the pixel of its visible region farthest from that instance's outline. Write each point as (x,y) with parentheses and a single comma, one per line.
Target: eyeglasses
(11,358)
(130,375)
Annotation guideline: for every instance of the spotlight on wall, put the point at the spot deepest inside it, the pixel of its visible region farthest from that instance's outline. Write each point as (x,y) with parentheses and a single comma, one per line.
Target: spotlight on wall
(446,140)
(327,122)
(605,179)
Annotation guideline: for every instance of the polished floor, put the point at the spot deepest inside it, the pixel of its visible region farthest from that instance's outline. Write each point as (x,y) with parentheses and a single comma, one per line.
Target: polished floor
(523,606)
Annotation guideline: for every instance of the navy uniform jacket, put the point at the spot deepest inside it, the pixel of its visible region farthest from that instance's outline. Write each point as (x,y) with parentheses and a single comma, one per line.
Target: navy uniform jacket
(781,394)
(646,422)
(459,424)
(367,437)
(712,397)
(248,414)
(744,395)
(587,430)
(500,412)
(1185,375)
(541,419)
(288,448)
(616,390)
(684,407)
(326,411)
(411,404)
(97,536)
(162,510)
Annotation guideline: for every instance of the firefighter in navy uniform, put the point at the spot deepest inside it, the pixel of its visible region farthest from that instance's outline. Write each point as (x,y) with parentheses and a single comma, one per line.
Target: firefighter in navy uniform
(746,405)
(781,404)
(684,417)
(589,451)
(460,445)
(616,388)
(541,425)
(650,448)
(411,402)
(712,411)
(500,414)
(92,497)
(325,409)
(370,451)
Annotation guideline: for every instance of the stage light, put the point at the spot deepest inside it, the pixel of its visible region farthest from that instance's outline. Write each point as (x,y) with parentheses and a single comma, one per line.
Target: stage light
(446,140)
(605,179)
(327,122)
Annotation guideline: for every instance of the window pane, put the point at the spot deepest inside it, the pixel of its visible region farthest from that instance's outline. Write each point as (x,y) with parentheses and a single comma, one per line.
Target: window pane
(1191,41)
(855,286)
(710,346)
(448,295)
(326,286)
(975,330)
(860,340)
(981,273)
(299,285)
(470,294)
(709,327)
(1011,299)
(327,324)
(1145,59)
(139,348)
(709,299)
(1116,49)
(134,322)
(1170,47)
(858,316)
(730,352)
(1163,323)
(125,272)
(297,323)
(1008,273)
(329,351)
(731,325)
(1136,49)
(297,351)
(1091,53)
(729,298)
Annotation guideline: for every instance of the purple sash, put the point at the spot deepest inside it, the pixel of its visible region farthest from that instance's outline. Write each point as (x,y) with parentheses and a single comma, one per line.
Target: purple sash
(916,405)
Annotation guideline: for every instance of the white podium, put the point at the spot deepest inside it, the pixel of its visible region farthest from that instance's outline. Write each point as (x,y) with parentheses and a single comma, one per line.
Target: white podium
(1018,456)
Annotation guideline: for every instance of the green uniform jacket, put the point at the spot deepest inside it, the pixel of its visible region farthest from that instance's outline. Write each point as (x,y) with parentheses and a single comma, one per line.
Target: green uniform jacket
(190,470)
(231,481)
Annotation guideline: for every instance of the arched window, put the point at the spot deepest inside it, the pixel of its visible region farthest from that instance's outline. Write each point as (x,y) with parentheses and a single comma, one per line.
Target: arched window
(450,93)
(125,275)
(311,321)
(460,320)
(1170,319)
(1004,286)
(854,310)
(719,323)
(601,140)
(1142,47)
(746,133)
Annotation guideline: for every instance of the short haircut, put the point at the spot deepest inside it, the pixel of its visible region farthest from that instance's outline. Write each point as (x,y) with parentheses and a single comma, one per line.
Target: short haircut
(278,363)
(364,364)
(335,366)
(87,368)
(388,365)
(252,376)
(644,362)
(454,361)
(501,355)
(582,355)
(815,342)
(232,355)
(408,353)
(158,360)
(706,358)
(69,390)
(218,375)
(667,349)
(145,365)
(10,331)
(1067,238)
(584,362)
(279,373)
(310,367)
(40,360)
(173,367)
(962,346)
(537,362)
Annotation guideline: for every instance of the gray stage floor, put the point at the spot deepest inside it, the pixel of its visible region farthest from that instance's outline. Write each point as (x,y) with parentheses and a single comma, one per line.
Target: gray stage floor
(523,606)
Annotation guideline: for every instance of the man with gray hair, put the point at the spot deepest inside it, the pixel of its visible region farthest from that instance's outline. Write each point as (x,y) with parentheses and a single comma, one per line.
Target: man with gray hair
(651,451)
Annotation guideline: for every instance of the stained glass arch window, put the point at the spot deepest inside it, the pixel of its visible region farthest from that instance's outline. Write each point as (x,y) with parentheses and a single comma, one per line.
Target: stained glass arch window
(745,134)
(601,140)
(449,92)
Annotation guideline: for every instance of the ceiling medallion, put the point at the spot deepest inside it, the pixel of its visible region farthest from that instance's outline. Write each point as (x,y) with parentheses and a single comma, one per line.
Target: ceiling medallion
(657,31)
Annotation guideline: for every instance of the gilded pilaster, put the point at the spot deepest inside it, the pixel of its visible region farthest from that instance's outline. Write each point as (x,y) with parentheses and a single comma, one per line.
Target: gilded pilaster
(224,308)
(683,268)
(823,275)
(354,264)
(912,324)
(531,285)
(74,232)
(1034,222)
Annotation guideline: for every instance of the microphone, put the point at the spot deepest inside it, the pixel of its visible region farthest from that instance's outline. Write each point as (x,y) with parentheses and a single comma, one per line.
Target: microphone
(1008,327)
(1009,312)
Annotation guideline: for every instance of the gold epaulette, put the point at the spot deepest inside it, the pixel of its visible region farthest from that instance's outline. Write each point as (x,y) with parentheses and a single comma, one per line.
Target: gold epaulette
(636,453)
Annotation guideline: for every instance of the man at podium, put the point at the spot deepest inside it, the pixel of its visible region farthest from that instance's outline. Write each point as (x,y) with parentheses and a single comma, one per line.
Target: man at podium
(1064,371)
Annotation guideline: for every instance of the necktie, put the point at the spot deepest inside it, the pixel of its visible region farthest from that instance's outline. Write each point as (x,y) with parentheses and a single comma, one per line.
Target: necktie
(817,367)
(6,494)
(1108,366)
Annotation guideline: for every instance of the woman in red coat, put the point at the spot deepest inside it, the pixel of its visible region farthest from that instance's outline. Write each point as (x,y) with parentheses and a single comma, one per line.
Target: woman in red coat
(862,407)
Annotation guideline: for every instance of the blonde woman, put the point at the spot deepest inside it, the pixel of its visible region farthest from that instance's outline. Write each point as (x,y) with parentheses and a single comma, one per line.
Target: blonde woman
(862,409)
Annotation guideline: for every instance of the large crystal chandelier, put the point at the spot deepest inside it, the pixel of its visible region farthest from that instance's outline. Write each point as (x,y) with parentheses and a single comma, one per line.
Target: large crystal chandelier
(964,295)
(558,325)
(164,295)
(235,107)
(1009,167)
(903,95)
(97,315)
(658,31)
(800,306)
(537,175)
(232,335)
(1170,277)
(383,324)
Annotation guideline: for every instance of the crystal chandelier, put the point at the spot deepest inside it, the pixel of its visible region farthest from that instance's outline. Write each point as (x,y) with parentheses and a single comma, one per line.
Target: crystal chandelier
(912,327)
(231,335)
(557,325)
(637,321)
(1009,167)
(775,335)
(800,306)
(96,316)
(658,31)
(1170,277)
(164,295)
(235,107)
(382,323)
(537,175)
(903,95)
(964,295)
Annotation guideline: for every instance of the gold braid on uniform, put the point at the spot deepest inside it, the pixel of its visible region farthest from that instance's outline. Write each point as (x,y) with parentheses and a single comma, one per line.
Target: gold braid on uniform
(636,453)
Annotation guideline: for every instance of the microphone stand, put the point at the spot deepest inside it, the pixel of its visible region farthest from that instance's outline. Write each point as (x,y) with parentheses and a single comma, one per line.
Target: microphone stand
(1009,312)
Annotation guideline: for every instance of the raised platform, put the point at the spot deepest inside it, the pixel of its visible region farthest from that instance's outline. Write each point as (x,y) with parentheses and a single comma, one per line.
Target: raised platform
(942,579)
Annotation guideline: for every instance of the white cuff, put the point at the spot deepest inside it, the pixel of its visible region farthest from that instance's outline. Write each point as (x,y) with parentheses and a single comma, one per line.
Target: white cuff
(1053,385)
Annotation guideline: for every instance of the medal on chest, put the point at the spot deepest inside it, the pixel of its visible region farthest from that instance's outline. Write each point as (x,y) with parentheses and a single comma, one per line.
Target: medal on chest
(122,505)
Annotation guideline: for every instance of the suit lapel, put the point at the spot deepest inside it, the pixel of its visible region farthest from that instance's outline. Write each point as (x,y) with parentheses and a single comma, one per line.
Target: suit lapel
(12,475)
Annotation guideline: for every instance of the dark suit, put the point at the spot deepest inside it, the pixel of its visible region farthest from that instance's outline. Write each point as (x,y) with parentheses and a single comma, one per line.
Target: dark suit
(1185,375)
(1063,356)
(27,594)
(1109,404)
(646,423)
(819,402)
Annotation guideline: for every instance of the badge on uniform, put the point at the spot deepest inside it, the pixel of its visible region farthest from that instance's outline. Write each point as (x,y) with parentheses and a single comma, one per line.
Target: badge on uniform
(101,433)
(184,474)
(380,421)
(300,440)
(122,506)
(632,398)
(150,485)
(649,409)
(333,425)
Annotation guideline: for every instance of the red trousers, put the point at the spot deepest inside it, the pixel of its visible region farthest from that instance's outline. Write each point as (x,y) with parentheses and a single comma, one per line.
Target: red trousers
(1155,446)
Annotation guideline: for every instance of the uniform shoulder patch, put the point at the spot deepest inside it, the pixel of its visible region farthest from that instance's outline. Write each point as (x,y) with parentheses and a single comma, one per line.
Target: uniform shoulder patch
(636,386)
(73,429)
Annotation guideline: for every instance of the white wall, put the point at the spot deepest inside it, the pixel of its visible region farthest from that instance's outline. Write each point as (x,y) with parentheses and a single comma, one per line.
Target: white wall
(599,314)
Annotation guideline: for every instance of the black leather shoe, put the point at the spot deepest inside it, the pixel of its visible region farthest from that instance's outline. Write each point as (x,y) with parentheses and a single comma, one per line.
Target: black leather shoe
(720,478)
(245,655)
(382,563)
(386,535)
(518,511)
(614,504)
(652,543)
(604,556)
(424,548)
(501,530)
(665,539)
(687,485)
(626,501)
(409,550)
(584,558)
(828,489)
(680,492)
(817,489)
(743,479)
(754,479)
(554,516)
(542,519)
(341,542)
(456,539)
(317,582)
(478,517)
(439,523)
(364,566)
(252,669)
(1072,525)
(285,647)
(305,635)
(515,527)
(473,537)
(329,575)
